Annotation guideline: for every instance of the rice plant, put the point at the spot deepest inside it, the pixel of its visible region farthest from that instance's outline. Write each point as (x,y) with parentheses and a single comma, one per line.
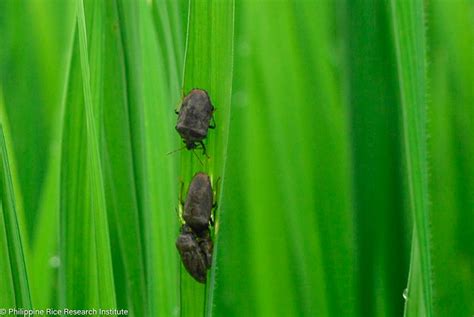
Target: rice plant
(341,159)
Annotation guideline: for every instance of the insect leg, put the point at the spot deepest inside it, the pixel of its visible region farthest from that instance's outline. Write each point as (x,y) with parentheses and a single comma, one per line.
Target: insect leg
(180,102)
(178,213)
(181,187)
(215,199)
(213,125)
(177,108)
(203,149)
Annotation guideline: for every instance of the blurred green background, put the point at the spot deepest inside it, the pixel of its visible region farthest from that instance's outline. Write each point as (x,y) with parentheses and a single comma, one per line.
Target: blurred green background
(320,186)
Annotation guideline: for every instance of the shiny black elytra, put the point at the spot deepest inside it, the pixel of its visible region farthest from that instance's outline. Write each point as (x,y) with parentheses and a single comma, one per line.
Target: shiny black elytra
(194,118)
(195,252)
(199,203)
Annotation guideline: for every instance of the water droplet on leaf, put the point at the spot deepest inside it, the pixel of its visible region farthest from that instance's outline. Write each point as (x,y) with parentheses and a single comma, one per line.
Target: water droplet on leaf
(405,294)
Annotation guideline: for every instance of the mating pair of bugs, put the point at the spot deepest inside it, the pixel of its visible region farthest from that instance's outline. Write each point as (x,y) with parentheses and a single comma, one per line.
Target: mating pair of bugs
(194,243)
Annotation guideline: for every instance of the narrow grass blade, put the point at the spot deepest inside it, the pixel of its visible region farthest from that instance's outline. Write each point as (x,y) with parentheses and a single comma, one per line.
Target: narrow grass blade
(451,148)
(170,30)
(152,85)
(374,102)
(6,280)
(86,269)
(208,66)
(289,152)
(119,167)
(23,88)
(45,261)
(160,189)
(17,189)
(106,290)
(15,290)
(408,25)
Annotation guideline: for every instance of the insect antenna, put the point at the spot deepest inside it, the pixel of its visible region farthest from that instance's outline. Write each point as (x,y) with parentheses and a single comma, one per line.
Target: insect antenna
(174,151)
(200,161)
(182,148)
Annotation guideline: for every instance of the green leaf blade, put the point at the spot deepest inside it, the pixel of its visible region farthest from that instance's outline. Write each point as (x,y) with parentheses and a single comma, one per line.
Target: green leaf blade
(451,150)
(15,287)
(87,273)
(289,154)
(209,66)
(408,19)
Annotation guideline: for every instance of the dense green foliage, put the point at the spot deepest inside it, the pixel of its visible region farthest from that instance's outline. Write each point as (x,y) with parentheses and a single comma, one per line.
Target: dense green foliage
(344,154)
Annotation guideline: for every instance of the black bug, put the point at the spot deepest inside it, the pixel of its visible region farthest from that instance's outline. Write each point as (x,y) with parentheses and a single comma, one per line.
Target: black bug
(194,242)
(199,203)
(195,259)
(194,119)
(206,245)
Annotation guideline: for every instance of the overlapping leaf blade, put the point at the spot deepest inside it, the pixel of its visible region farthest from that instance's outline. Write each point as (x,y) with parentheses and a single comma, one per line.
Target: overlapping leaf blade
(208,66)
(86,272)
(408,19)
(13,265)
